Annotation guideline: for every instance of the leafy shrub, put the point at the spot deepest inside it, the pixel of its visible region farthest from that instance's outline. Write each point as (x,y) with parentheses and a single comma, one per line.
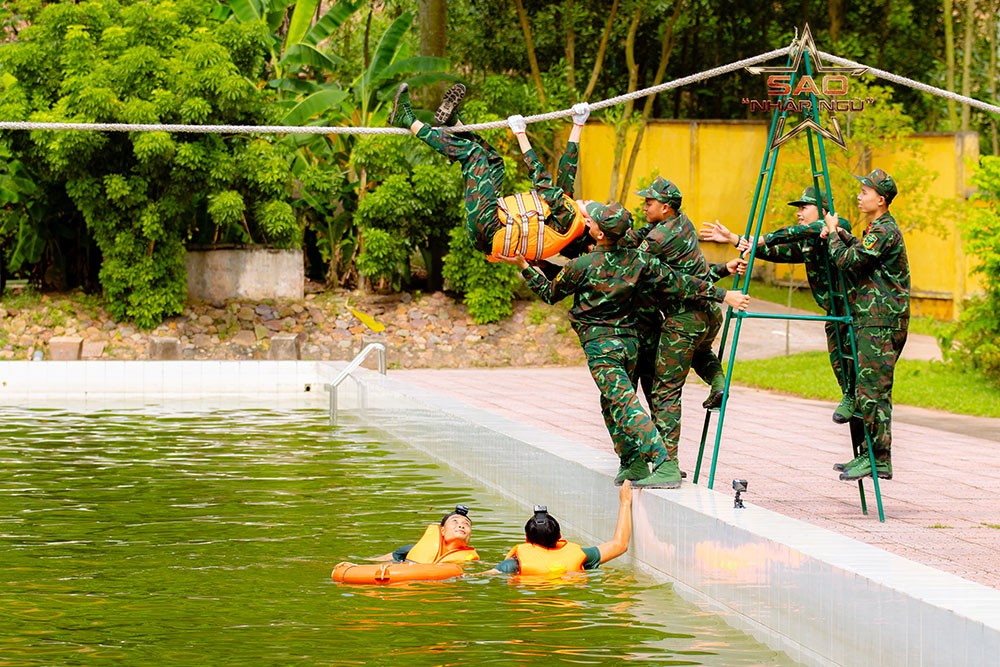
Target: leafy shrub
(979,324)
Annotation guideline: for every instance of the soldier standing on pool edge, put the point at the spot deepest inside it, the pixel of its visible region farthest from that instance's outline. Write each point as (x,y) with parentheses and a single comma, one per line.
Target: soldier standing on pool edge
(880,305)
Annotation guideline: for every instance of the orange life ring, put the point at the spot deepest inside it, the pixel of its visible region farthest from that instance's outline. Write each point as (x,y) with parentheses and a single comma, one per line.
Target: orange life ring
(393,573)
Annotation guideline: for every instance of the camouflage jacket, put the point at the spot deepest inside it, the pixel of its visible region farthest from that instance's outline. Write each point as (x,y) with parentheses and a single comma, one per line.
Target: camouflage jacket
(605,283)
(801,244)
(878,267)
(551,192)
(675,243)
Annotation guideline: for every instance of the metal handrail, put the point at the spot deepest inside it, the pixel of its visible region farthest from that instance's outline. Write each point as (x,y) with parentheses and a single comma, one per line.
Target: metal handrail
(348,373)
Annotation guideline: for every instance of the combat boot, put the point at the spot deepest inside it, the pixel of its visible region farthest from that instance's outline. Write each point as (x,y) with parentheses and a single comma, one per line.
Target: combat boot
(844,411)
(634,471)
(665,476)
(841,467)
(446,113)
(401,114)
(864,469)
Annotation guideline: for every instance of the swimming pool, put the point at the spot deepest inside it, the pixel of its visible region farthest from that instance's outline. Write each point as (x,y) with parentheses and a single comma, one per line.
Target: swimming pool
(819,597)
(152,536)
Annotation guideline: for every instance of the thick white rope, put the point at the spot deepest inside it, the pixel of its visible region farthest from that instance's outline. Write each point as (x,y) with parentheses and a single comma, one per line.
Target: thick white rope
(895,78)
(312,129)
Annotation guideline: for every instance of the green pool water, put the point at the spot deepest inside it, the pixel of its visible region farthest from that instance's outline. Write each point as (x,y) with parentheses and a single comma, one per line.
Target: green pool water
(152,538)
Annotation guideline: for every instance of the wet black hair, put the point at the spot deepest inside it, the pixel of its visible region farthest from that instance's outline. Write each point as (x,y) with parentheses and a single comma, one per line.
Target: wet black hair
(460,510)
(542,528)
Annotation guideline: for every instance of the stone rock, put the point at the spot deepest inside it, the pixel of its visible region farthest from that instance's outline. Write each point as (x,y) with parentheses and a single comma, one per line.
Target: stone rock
(245,338)
(164,349)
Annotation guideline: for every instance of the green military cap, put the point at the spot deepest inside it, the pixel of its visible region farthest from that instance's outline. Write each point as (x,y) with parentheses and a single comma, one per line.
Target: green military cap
(664,191)
(809,196)
(880,182)
(612,219)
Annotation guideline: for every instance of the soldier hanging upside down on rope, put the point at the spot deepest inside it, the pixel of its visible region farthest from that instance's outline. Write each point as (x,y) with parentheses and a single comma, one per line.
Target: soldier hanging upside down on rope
(536,224)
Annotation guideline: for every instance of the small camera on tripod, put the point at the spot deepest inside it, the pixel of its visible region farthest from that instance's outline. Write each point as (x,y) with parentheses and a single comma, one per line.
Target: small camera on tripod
(739,486)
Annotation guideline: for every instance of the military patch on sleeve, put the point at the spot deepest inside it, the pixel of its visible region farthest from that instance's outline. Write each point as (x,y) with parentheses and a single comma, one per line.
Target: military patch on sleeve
(869,241)
(644,246)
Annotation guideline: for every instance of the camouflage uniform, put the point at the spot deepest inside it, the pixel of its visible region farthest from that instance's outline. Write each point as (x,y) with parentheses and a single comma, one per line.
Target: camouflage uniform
(483,171)
(683,340)
(604,285)
(880,307)
(801,244)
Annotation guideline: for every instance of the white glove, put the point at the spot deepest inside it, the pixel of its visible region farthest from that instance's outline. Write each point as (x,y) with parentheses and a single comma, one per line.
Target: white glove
(581,112)
(517,124)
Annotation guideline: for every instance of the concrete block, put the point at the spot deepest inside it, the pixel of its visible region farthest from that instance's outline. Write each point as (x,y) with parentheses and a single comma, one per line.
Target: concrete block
(285,347)
(245,273)
(65,348)
(164,349)
(93,349)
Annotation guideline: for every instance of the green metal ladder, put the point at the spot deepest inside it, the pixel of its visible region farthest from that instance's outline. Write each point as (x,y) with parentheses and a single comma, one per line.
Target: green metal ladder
(839,297)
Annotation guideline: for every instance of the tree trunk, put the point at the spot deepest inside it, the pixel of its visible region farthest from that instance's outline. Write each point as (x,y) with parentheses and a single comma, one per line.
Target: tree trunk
(835,12)
(601,50)
(993,28)
(529,44)
(568,16)
(433,21)
(970,25)
(666,47)
(949,62)
(621,131)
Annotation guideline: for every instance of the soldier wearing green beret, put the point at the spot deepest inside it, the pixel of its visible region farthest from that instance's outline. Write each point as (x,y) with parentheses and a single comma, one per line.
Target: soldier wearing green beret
(880,306)
(676,335)
(801,243)
(604,284)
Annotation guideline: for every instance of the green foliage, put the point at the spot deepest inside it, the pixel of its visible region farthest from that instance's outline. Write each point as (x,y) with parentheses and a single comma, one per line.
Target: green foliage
(417,199)
(385,257)
(488,287)
(978,329)
(143,196)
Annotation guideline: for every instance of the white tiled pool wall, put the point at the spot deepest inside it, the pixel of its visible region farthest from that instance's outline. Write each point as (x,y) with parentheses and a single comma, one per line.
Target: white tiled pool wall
(820,597)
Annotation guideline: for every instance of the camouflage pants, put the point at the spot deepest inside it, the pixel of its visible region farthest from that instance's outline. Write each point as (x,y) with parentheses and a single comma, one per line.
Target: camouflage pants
(846,381)
(611,361)
(878,350)
(685,337)
(483,171)
(645,363)
(705,362)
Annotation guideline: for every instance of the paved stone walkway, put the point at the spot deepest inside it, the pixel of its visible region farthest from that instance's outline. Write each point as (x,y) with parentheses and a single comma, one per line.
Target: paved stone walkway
(941,508)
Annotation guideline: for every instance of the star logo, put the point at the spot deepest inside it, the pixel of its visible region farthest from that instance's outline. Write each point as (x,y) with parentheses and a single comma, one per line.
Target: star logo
(834,83)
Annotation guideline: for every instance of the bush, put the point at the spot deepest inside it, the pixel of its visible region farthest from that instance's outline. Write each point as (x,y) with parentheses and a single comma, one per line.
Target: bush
(979,323)
(488,286)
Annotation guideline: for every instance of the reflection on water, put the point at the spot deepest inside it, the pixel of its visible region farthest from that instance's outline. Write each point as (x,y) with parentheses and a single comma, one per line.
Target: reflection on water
(208,539)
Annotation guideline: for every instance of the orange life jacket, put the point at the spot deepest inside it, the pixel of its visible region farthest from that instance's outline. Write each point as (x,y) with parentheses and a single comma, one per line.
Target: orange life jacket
(524,230)
(431,549)
(555,562)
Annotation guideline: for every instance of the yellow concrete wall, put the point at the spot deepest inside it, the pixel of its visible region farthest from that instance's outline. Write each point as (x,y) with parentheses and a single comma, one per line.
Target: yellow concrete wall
(716,163)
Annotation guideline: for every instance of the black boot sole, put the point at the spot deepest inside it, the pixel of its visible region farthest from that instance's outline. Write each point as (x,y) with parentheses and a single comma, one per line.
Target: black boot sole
(449,103)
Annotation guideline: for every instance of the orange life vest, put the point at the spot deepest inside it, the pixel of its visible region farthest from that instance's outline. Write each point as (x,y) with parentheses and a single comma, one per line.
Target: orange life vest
(524,230)
(431,549)
(555,562)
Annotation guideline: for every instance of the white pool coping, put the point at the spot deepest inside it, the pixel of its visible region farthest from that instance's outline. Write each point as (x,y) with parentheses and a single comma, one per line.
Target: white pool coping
(821,597)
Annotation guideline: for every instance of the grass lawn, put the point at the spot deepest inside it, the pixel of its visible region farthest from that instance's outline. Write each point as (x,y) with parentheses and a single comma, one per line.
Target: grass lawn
(926,384)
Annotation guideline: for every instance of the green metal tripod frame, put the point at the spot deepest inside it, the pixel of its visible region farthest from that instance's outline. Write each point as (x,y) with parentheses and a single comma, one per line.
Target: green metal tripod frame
(839,297)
